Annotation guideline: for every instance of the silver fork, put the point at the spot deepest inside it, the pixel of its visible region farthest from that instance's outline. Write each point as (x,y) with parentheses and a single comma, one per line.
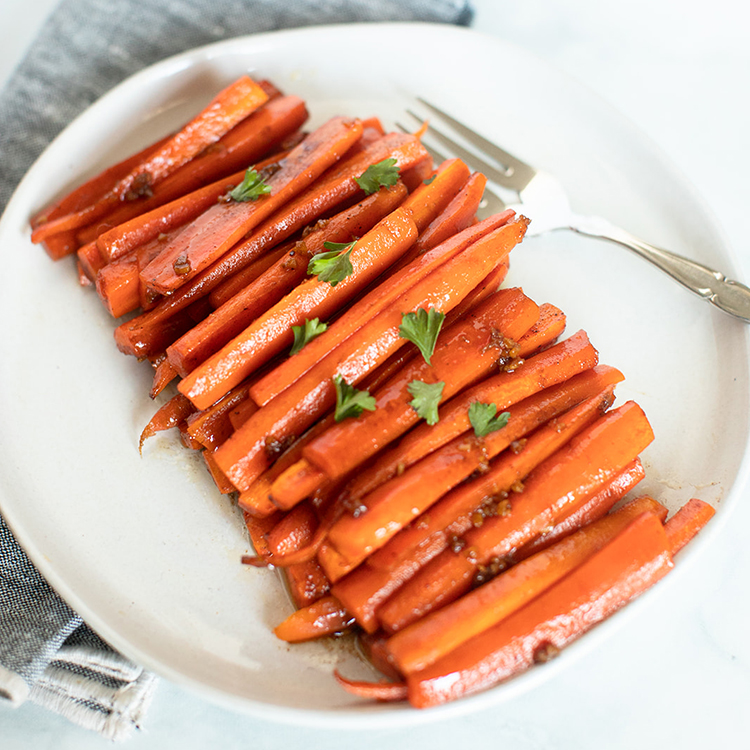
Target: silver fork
(542,198)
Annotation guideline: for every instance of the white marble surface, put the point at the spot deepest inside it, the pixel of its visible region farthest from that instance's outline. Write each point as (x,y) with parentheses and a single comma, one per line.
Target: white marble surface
(679,676)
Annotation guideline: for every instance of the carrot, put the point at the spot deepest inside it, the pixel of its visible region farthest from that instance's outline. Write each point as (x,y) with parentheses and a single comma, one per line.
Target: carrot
(335,188)
(243,457)
(246,143)
(230,106)
(379,691)
(597,506)
(222,483)
(427,640)
(323,617)
(625,567)
(554,365)
(380,298)
(556,487)
(164,374)
(213,233)
(176,410)
(210,427)
(458,215)
(526,415)
(272,332)
(687,522)
(280,279)
(258,529)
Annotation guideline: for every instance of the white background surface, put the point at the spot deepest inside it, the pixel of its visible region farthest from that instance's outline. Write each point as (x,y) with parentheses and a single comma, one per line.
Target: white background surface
(679,676)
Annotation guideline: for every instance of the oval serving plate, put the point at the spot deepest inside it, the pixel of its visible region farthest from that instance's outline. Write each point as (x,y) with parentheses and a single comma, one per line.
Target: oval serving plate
(145,548)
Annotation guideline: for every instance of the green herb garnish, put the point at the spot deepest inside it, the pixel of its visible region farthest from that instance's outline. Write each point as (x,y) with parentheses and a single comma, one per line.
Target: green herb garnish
(422,328)
(350,402)
(305,333)
(383,174)
(334,265)
(426,399)
(251,187)
(483,419)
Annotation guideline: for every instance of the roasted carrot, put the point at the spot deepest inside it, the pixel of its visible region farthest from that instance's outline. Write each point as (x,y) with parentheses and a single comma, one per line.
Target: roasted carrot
(222,483)
(556,487)
(687,522)
(385,692)
(258,529)
(213,233)
(174,411)
(625,567)
(227,108)
(456,216)
(247,143)
(237,313)
(272,332)
(554,365)
(424,642)
(326,616)
(335,188)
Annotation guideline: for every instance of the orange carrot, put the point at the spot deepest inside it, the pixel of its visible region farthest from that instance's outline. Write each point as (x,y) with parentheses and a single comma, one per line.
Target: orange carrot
(687,522)
(557,486)
(226,109)
(382,297)
(176,410)
(323,617)
(237,313)
(272,332)
(246,143)
(333,189)
(213,233)
(625,567)
(554,365)
(386,692)
(427,640)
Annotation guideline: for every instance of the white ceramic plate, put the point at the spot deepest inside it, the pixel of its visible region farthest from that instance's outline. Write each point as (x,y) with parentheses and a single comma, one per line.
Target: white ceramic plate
(144,547)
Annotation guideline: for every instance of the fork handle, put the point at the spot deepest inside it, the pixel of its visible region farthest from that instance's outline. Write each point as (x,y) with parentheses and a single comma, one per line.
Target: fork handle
(730,296)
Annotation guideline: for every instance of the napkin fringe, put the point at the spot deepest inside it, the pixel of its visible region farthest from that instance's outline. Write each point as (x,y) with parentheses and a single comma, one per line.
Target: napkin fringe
(13,687)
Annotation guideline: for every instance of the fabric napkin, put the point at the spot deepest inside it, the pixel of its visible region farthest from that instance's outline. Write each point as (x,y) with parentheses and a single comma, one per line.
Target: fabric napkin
(47,654)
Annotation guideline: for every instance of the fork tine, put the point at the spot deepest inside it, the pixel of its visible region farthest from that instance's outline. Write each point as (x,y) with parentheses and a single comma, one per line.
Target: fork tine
(515,174)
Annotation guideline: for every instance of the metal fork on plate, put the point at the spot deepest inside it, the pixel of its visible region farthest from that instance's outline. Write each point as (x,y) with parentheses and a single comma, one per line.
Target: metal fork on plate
(541,197)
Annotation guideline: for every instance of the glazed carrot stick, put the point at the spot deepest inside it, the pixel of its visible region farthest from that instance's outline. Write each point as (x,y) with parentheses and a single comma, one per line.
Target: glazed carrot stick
(271,332)
(593,509)
(380,298)
(227,108)
(246,143)
(213,233)
(222,483)
(526,415)
(176,410)
(687,522)
(427,640)
(388,509)
(468,341)
(210,427)
(457,215)
(243,456)
(258,529)
(559,485)
(554,365)
(333,189)
(625,567)
(237,313)
(323,617)
(385,692)
(164,374)
(365,589)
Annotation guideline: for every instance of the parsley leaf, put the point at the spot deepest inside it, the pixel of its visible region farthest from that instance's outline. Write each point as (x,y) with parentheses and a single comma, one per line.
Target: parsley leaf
(350,402)
(305,333)
(422,328)
(382,174)
(426,399)
(251,187)
(483,419)
(333,266)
